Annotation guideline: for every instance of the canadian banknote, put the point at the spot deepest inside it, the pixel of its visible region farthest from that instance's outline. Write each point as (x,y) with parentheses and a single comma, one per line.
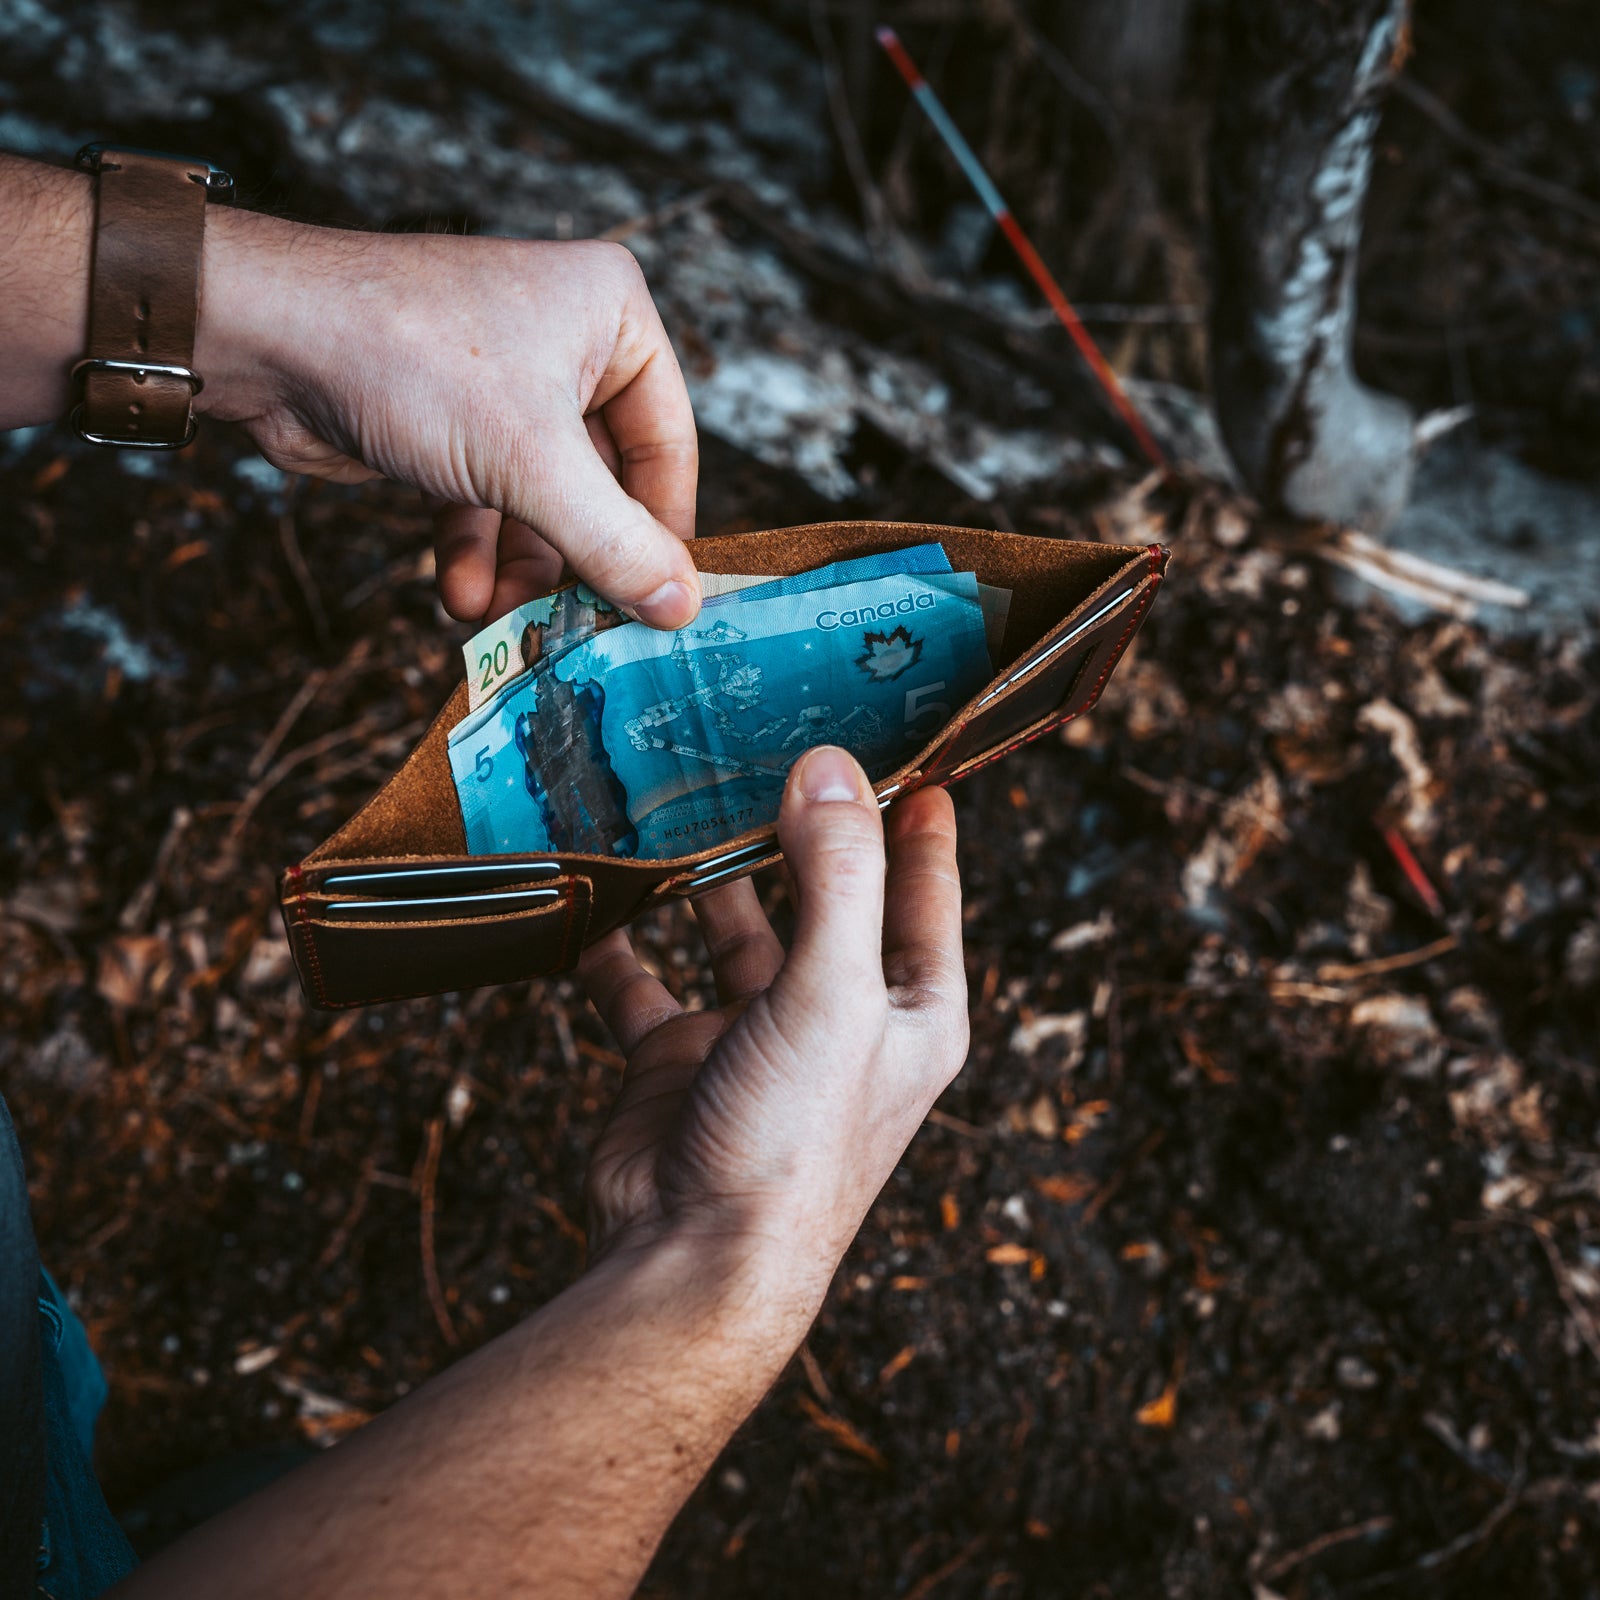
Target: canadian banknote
(650,744)
(536,631)
(542,629)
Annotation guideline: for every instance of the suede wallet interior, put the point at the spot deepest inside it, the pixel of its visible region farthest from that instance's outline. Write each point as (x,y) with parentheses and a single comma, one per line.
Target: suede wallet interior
(392,906)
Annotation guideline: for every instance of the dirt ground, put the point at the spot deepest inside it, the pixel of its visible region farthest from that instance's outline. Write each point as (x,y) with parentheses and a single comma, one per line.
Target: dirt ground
(1256,1249)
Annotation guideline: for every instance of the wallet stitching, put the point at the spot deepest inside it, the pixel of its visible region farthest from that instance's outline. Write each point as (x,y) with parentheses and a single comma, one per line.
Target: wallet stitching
(565,958)
(1094,693)
(308,937)
(409,994)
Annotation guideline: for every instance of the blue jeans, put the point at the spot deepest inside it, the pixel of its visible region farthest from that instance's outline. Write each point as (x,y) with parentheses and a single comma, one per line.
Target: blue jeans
(57,1535)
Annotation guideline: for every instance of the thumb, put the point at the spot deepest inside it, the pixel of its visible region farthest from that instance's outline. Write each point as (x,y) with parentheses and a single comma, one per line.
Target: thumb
(609,539)
(832,836)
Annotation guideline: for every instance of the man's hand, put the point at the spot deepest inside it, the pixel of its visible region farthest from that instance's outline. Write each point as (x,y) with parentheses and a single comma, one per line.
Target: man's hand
(528,388)
(745,1147)
(516,383)
(777,1118)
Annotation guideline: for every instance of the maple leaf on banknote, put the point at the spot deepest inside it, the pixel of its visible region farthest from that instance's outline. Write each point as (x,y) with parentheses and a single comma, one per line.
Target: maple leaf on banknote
(889,654)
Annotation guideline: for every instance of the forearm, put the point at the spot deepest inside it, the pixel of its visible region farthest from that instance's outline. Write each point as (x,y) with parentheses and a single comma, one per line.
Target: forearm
(45,256)
(551,1461)
(44,286)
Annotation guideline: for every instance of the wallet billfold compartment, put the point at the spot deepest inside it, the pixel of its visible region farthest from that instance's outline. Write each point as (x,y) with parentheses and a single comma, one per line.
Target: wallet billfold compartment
(392,906)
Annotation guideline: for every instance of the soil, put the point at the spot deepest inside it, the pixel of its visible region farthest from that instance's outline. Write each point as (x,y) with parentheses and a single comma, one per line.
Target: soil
(1257,1246)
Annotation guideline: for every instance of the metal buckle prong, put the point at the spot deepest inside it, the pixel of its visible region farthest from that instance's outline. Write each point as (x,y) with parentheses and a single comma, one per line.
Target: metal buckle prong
(140,370)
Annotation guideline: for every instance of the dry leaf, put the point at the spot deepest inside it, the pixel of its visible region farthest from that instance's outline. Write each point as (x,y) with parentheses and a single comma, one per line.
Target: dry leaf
(1069,1188)
(133,968)
(1008,1255)
(1161,1412)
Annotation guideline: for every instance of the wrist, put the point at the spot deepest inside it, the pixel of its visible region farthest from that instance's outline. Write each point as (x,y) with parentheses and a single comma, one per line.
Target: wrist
(730,1267)
(245,332)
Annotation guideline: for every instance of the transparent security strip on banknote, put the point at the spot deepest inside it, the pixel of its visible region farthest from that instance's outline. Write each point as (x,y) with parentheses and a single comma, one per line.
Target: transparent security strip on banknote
(649,744)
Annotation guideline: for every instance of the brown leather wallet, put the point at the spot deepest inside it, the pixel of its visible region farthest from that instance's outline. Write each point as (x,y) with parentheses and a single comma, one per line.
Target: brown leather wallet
(392,906)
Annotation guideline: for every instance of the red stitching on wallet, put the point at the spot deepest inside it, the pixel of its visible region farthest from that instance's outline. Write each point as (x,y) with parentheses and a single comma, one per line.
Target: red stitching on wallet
(571,896)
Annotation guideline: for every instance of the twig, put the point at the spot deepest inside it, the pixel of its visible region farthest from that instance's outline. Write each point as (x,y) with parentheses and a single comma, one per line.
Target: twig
(651,220)
(1464,1541)
(303,696)
(1063,71)
(1431,583)
(1397,963)
(1325,1541)
(430,1265)
(1114,1051)
(1489,590)
(136,913)
(968,1130)
(843,1434)
(875,214)
(290,542)
(925,1586)
(814,1377)
(340,1236)
(1495,163)
(1579,1313)
(269,782)
(1103,1194)
(1107,311)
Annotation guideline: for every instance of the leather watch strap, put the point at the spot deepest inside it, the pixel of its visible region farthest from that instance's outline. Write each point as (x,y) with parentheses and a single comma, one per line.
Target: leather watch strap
(138,379)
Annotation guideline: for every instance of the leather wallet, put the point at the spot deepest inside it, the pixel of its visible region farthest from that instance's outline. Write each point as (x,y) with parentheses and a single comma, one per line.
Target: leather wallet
(393,907)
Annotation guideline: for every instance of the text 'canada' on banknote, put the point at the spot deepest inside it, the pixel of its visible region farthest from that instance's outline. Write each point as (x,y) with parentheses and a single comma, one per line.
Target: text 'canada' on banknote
(544,628)
(654,744)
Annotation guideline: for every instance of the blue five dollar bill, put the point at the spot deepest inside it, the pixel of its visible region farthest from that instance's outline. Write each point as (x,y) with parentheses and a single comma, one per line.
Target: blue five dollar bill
(649,744)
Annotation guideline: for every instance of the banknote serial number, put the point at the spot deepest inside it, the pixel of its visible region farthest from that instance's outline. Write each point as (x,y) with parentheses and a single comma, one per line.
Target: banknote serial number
(706,824)
(903,607)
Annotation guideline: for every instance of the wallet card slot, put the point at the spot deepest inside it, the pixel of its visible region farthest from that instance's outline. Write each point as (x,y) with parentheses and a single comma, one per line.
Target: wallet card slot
(1044,655)
(397,883)
(441,907)
(358,961)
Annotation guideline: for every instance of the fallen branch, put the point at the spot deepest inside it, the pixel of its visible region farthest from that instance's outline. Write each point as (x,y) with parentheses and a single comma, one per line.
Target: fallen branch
(1462,1542)
(430,1265)
(1495,163)
(1336,973)
(1325,1541)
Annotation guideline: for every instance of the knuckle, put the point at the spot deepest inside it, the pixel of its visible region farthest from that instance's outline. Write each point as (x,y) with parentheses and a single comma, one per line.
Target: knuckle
(848,855)
(618,262)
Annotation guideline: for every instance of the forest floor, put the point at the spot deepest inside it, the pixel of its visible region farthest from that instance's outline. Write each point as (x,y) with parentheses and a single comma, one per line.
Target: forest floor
(1257,1246)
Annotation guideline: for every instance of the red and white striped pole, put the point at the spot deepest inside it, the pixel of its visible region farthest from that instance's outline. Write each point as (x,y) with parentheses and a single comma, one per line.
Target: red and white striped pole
(1019,241)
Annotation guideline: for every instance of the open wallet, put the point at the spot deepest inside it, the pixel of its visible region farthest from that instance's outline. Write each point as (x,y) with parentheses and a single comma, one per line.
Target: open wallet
(393,906)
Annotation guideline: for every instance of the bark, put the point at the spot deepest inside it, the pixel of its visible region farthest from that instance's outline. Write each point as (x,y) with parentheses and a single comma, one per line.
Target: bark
(1291,158)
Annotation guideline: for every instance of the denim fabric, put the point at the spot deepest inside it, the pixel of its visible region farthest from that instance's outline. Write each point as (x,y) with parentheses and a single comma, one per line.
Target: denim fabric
(21,1395)
(81,1377)
(75,1550)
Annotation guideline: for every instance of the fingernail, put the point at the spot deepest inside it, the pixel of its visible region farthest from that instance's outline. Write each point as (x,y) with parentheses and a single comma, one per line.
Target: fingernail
(828,773)
(671,606)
